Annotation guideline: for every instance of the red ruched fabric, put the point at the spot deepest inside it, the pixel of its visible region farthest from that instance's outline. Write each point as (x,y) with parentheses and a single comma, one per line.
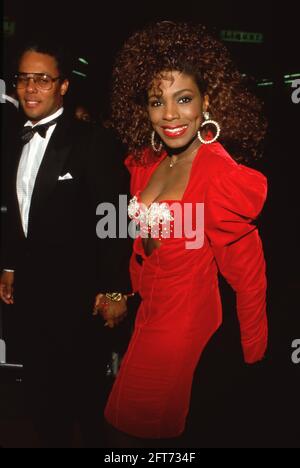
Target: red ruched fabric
(234,201)
(181,306)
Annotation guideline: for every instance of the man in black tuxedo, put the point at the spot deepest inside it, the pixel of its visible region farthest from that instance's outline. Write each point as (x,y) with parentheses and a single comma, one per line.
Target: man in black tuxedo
(54,266)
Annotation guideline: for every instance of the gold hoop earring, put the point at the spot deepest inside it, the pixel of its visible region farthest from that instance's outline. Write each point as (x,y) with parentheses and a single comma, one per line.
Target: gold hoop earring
(208,121)
(154,147)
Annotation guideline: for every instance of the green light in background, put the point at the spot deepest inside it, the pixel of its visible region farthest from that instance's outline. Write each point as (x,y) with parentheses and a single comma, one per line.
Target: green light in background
(241,36)
(82,60)
(295,75)
(266,83)
(289,81)
(83,75)
(9,27)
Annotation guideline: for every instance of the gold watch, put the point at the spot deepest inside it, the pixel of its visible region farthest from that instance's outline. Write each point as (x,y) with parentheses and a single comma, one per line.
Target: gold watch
(117,296)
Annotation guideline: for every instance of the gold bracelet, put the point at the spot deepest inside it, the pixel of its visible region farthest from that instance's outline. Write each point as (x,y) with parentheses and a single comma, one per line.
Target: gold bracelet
(117,296)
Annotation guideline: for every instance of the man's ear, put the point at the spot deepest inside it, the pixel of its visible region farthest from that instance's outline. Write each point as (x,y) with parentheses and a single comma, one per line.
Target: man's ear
(64,87)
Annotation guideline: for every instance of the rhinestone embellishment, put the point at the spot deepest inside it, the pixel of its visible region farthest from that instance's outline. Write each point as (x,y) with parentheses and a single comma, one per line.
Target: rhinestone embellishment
(154,218)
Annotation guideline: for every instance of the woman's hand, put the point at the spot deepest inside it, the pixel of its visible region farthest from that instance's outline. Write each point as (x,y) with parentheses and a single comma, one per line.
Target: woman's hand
(111,311)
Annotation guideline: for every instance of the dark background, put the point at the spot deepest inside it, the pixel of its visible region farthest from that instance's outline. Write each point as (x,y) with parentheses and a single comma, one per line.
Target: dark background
(96,30)
(233,405)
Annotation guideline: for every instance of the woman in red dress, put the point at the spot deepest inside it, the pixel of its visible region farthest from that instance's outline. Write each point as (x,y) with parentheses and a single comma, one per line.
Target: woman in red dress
(178,102)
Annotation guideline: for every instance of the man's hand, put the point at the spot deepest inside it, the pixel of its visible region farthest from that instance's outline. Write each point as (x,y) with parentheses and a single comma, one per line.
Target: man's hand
(7,287)
(112,312)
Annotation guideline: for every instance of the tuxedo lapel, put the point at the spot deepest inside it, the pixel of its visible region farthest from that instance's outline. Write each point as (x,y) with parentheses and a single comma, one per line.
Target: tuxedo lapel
(14,200)
(54,159)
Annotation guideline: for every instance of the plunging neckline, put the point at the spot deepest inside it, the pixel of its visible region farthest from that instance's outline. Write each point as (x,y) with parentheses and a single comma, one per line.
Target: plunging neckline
(156,165)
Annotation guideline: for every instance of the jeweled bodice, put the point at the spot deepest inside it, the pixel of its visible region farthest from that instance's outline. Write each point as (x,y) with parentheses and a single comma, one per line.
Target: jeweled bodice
(155,220)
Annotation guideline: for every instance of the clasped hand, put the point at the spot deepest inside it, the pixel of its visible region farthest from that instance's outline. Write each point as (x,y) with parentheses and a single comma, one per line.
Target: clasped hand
(112,312)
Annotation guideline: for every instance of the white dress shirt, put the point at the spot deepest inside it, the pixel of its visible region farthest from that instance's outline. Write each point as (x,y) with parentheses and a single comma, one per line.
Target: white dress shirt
(31,159)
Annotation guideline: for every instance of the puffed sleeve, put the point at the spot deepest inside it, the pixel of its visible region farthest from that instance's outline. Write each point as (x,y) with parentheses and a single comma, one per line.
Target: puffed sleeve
(234,200)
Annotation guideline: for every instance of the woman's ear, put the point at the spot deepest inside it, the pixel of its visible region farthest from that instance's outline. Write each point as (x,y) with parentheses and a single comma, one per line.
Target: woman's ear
(206,103)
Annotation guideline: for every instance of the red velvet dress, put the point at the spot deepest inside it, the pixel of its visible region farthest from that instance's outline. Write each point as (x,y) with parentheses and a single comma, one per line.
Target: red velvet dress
(181,307)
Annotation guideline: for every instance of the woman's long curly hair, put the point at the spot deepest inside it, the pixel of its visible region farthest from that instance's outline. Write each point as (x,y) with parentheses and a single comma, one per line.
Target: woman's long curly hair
(187,48)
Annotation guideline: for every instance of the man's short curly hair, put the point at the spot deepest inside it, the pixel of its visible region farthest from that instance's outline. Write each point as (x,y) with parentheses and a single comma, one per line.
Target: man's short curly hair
(187,48)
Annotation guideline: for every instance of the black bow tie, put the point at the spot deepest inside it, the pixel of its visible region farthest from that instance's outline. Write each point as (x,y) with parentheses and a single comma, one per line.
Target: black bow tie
(28,133)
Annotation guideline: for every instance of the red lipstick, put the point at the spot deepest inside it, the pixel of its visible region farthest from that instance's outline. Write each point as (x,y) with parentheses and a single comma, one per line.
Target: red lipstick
(175,132)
